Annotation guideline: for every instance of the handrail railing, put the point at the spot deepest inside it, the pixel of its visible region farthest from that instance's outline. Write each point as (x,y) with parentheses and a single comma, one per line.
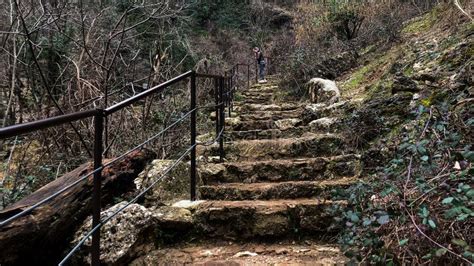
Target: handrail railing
(224,87)
(157,89)
(29,127)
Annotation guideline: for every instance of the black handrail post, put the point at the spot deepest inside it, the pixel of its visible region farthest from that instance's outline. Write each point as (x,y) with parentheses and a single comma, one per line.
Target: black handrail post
(256,71)
(221,118)
(216,99)
(193,136)
(98,147)
(229,95)
(236,79)
(234,89)
(106,135)
(248,76)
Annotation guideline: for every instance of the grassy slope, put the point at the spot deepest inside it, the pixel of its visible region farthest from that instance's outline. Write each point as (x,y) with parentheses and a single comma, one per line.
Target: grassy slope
(421,147)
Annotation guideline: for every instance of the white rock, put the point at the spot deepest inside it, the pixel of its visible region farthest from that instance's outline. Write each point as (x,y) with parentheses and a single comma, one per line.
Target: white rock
(245,254)
(457,166)
(121,234)
(323,90)
(187,204)
(207,253)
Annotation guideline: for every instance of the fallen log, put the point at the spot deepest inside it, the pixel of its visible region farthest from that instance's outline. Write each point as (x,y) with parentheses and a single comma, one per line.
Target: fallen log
(40,237)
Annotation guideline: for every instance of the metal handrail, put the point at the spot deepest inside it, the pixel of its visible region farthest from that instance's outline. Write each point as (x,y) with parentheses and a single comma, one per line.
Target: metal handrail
(224,90)
(20,129)
(138,97)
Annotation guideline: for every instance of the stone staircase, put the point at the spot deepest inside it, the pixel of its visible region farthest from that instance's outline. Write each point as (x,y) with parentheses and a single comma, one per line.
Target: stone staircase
(274,199)
(280,176)
(257,115)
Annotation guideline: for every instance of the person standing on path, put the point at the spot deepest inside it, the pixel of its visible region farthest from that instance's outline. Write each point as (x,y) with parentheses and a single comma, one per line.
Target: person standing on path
(261,65)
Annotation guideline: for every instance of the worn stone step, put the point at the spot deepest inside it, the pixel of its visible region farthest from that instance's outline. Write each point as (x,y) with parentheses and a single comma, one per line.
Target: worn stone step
(245,108)
(249,127)
(270,85)
(281,170)
(271,115)
(265,134)
(221,252)
(256,100)
(309,145)
(267,96)
(237,124)
(259,91)
(274,190)
(319,126)
(274,218)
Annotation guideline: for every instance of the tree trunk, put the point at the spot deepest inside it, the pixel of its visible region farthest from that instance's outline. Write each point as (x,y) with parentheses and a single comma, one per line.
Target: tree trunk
(41,237)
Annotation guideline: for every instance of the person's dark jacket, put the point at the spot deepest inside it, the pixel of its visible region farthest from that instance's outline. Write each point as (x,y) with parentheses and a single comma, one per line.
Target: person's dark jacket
(260,58)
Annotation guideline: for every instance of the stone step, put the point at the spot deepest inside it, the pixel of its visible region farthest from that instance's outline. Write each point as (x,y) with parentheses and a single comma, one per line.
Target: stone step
(272,190)
(280,129)
(255,100)
(248,99)
(317,126)
(270,85)
(258,92)
(245,108)
(271,115)
(275,218)
(309,145)
(236,124)
(305,169)
(221,252)
(265,134)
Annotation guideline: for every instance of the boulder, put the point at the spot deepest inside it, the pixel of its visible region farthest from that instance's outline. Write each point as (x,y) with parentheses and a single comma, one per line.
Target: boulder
(133,232)
(173,186)
(127,235)
(323,91)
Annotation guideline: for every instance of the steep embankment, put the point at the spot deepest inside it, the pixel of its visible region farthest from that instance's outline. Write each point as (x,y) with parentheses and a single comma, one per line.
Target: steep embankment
(414,127)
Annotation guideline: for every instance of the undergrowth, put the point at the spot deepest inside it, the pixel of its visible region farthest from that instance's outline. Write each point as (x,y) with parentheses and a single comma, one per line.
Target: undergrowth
(421,202)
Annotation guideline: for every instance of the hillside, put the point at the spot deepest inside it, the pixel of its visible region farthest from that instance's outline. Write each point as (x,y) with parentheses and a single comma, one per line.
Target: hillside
(357,149)
(414,123)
